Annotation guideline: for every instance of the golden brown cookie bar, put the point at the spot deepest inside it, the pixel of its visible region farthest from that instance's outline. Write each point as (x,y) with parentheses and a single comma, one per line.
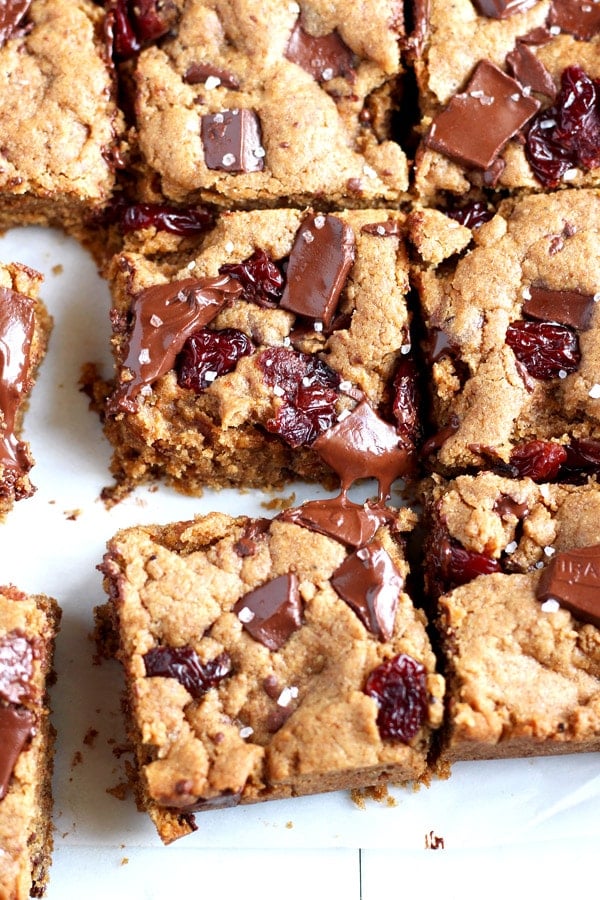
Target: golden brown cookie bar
(28,626)
(24,330)
(267,659)
(268,103)
(236,361)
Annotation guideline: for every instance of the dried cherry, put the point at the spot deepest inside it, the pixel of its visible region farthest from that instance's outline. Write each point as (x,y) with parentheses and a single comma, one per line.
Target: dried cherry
(183,664)
(207,354)
(471,215)
(260,278)
(545,349)
(538,460)
(130,24)
(184,222)
(399,687)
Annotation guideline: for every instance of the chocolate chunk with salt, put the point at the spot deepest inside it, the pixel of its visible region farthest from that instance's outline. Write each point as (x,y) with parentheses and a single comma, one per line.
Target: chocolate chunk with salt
(322,256)
(16,667)
(573,579)
(323,57)
(164,316)
(12,13)
(530,71)
(199,73)
(388,228)
(565,307)
(362,445)
(16,334)
(272,612)
(581,18)
(477,123)
(340,518)
(369,582)
(232,141)
(501,9)
(16,728)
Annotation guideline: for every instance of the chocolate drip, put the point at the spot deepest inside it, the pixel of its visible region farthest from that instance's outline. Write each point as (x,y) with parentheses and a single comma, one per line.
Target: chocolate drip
(16,335)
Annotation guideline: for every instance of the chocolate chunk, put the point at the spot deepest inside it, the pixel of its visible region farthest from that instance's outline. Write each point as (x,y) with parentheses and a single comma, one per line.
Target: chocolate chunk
(439,345)
(537,37)
(247,545)
(362,445)
(506,507)
(501,9)
(369,582)
(272,612)
(530,71)
(12,13)
(184,664)
(16,667)
(165,315)
(417,38)
(16,728)
(16,333)
(477,124)
(339,518)
(323,57)
(581,18)
(232,141)
(322,256)
(389,228)
(198,73)
(565,307)
(226,800)
(573,579)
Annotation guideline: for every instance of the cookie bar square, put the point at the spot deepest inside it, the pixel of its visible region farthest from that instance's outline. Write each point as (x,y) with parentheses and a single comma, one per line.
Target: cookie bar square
(512,342)
(237,363)
(508,92)
(517,565)
(59,122)
(266,104)
(28,626)
(24,331)
(269,658)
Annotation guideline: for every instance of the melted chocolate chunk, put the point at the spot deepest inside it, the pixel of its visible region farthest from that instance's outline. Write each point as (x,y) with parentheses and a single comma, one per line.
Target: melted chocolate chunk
(565,307)
(197,73)
(165,315)
(322,256)
(16,667)
(501,9)
(573,578)
(226,800)
(16,729)
(477,124)
(323,57)
(12,13)
(362,445)
(506,507)
(369,582)
(388,228)
(530,71)
(184,664)
(16,333)
(232,141)
(581,18)
(272,612)
(339,518)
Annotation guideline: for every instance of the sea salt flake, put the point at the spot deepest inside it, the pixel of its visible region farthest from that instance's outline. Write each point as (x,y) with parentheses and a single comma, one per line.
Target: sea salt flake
(594,391)
(345,385)
(343,415)
(549,551)
(308,237)
(288,694)
(228,159)
(554,29)
(210,376)
(526,294)
(550,606)
(596,297)
(318,326)
(369,172)
(319,221)
(191,265)
(245,615)
(212,82)
(144,356)
(562,373)
(155,320)
(405,349)
(229,247)
(515,97)
(278,391)
(327,74)
(510,548)
(570,175)
(260,152)
(247,731)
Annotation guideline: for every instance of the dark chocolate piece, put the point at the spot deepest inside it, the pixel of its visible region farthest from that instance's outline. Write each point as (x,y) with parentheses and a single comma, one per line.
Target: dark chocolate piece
(506,507)
(388,228)
(565,307)
(362,445)
(198,73)
(165,315)
(530,71)
(324,57)
(16,728)
(322,256)
(12,13)
(537,37)
(417,38)
(232,141)
(16,667)
(272,612)
(477,124)
(581,18)
(573,579)
(16,333)
(339,518)
(501,9)
(369,582)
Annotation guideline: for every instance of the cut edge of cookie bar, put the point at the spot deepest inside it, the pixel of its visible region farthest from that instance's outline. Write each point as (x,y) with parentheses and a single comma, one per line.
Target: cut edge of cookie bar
(261,666)
(29,625)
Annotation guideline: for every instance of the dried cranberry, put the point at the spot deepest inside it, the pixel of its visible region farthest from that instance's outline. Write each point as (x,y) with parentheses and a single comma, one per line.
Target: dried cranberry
(183,664)
(399,687)
(582,459)
(471,215)
(538,460)
(185,222)
(546,349)
(121,38)
(405,403)
(459,565)
(207,354)
(260,278)
(308,389)
(566,134)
